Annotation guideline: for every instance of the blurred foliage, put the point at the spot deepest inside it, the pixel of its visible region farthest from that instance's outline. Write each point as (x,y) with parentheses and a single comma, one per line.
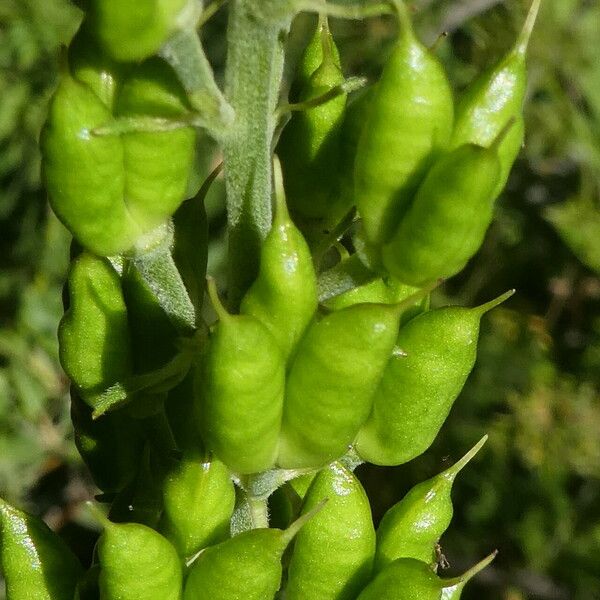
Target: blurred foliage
(535,491)
(34,416)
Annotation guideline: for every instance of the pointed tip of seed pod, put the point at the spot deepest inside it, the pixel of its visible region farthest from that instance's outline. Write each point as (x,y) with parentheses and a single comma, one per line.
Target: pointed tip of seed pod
(282,215)
(327,45)
(201,195)
(502,134)
(98,515)
(525,35)
(213,294)
(484,308)
(323,27)
(403,14)
(458,466)
(463,579)
(294,528)
(440,38)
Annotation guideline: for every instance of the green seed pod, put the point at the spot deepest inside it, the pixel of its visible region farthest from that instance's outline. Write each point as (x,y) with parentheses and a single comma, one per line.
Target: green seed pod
(420,384)
(131,183)
(404,579)
(284,295)
(101,223)
(331,382)
(333,553)
(321,47)
(446,224)
(157,164)
(136,563)
(310,144)
(243,396)
(111,446)
(199,497)
(413,526)
(495,97)
(410,579)
(36,563)
(246,566)
(93,334)
(409,121)
(131,30)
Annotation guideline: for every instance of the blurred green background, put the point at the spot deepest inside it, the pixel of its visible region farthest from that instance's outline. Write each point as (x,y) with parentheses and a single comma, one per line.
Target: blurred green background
(534,492)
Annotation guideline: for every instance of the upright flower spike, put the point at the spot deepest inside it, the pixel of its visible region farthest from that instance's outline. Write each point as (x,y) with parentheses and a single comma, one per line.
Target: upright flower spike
(413,526)
(495,97)
(284,295)
(421,383)
(242,403)
(409,122)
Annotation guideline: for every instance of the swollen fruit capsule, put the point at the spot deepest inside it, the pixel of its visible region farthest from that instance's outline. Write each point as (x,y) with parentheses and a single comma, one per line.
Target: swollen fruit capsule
(198,497)
(331,382)
(409,121)
(243,400)
(413,526)
(333,553)
(136,563)
(310,143)
(421,383)
(131,30)
(284,295)
(35,562)
(446,224)
(94,336)
(247,566)
(495,97)
(410,579)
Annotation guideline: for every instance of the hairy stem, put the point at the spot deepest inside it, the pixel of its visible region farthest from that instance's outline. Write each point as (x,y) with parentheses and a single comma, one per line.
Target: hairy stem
(252,85)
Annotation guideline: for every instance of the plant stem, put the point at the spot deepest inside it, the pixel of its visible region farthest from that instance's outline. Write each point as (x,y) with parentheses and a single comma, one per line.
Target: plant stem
(252,86)
(258,511)
(185,54)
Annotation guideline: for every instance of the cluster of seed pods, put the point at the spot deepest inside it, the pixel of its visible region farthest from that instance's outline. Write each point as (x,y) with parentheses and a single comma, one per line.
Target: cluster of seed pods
(176,418)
